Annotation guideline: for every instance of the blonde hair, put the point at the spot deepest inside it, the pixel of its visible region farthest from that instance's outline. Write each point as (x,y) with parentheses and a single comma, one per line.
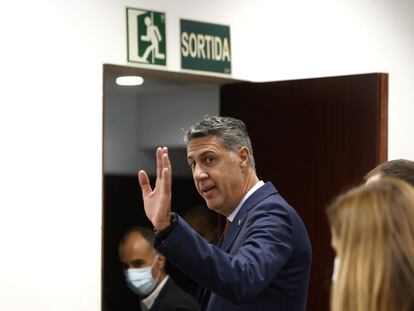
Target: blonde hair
(374,224)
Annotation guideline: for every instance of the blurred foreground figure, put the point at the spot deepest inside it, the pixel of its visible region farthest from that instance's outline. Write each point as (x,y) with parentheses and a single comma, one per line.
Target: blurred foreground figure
(373,236)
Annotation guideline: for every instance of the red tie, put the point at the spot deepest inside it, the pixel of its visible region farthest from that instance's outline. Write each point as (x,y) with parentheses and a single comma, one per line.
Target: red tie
(226,228)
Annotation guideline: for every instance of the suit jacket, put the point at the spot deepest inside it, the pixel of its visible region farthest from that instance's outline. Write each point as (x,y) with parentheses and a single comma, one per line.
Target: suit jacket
(173,298)
(263,263)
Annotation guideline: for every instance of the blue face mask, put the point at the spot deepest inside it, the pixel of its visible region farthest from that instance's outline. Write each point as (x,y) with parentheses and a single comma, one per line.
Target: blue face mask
(140,280)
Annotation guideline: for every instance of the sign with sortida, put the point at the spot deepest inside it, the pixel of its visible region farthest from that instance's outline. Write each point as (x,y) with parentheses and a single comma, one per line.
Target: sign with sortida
(205,47)
(146,37)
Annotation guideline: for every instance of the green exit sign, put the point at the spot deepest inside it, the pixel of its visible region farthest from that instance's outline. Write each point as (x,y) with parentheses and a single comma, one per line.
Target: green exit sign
(205,47)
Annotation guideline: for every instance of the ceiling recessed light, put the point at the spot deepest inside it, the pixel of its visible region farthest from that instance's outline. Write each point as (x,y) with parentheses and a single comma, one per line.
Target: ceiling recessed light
(129,80)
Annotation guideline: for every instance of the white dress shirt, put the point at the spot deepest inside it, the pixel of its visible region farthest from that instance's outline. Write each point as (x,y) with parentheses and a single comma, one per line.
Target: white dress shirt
(246,196)
(148,302)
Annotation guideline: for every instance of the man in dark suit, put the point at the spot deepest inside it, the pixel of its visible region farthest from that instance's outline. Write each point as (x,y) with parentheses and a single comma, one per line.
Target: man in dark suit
(263,259)
(146,277)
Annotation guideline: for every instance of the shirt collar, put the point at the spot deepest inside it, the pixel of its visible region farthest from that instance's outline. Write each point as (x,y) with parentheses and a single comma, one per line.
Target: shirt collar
(148,302)
(246,196)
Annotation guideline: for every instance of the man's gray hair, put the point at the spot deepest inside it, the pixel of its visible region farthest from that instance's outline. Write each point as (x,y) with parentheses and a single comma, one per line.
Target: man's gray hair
(231,132)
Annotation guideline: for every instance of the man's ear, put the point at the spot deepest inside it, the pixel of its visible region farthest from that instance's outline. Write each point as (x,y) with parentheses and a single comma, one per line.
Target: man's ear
(161,260)
(244,156)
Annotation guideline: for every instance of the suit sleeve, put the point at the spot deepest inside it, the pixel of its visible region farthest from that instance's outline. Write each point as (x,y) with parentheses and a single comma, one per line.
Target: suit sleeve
(263,247)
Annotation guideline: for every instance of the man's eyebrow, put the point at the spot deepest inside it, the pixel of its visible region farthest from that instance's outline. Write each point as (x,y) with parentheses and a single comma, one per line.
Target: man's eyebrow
(137,262)
(200,154)
(205,152)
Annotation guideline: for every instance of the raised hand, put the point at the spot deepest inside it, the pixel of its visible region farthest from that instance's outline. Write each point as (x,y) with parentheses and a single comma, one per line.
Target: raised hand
(157,201)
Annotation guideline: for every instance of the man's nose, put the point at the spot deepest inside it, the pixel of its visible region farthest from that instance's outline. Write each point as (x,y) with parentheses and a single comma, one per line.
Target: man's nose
(199,173)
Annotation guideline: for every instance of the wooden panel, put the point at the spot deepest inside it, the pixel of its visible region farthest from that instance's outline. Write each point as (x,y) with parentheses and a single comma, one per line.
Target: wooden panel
(313,139)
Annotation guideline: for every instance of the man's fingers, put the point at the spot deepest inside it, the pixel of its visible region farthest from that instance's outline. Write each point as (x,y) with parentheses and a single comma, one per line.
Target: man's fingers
(144,182)
(167,180)
(166,171)
(159,162)
(166,164)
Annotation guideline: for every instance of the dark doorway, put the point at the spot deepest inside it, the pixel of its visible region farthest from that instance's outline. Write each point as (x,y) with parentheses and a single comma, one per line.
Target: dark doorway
(136,121)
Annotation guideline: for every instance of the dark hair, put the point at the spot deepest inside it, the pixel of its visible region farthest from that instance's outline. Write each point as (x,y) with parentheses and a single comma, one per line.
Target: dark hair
(146,233)
(401,168)
(230,131)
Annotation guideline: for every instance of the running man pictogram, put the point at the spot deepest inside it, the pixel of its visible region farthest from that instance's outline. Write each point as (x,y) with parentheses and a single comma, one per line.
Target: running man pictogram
(153,36)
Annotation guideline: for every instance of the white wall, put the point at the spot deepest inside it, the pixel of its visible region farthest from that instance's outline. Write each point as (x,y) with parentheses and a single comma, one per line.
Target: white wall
(323,38)
(51,112)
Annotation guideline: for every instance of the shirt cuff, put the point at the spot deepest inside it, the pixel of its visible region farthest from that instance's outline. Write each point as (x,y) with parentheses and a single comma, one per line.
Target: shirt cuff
(163,234)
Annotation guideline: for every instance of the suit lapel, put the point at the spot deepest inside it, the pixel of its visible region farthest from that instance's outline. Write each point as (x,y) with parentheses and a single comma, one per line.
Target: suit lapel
(238,221)
(161,294)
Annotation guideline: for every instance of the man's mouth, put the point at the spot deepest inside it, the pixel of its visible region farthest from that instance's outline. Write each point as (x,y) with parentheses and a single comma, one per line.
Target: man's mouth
(207,190)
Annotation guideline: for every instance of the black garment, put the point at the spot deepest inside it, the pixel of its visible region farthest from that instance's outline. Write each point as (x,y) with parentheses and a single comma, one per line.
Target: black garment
(173,298)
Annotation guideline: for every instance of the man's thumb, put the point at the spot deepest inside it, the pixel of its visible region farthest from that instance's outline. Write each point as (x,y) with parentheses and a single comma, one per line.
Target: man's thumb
(144,182)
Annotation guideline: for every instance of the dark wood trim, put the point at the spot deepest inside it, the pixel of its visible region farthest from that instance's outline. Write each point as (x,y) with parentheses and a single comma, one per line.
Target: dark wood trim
(383,120)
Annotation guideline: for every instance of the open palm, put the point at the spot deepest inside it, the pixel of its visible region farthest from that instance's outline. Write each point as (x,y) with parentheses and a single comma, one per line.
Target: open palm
(157,201)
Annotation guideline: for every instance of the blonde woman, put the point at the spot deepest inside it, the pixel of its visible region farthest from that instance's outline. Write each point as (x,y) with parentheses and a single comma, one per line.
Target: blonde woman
(373,235)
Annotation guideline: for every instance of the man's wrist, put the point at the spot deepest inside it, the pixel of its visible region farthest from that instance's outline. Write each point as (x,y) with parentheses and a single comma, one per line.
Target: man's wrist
(161,226)
(165,232)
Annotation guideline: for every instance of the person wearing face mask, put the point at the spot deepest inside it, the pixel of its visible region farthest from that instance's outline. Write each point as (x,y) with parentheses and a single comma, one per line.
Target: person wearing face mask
(145,274)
